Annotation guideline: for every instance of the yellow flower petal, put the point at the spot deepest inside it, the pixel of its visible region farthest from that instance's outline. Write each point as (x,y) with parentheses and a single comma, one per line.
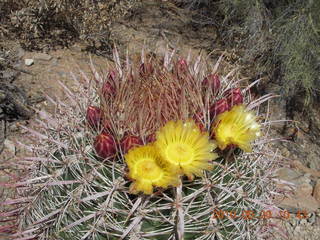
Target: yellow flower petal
(147,169)
(185,147)
(237,127)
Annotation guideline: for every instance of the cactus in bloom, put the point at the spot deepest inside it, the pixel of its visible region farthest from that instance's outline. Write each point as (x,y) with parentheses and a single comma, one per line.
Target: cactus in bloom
(179,185)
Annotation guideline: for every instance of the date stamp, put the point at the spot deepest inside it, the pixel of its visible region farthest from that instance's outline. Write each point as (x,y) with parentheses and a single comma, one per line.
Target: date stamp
(263,214)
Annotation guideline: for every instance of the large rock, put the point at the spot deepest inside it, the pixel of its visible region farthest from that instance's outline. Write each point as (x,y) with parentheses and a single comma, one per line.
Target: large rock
(297,190)
(298,202)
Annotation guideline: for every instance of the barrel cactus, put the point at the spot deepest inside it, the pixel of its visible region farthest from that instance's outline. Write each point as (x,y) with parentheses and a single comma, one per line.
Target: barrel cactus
(160,148)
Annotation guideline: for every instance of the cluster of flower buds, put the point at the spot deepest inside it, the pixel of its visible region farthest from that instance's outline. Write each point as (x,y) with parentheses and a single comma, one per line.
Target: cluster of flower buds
(105,144)
(231,98)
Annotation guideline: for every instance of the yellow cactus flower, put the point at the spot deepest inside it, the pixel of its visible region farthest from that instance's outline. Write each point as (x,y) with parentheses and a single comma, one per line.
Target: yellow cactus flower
(185,147)
(238,127)
(147,169)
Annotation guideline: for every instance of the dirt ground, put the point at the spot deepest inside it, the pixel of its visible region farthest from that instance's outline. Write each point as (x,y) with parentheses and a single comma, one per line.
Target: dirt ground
(174,29)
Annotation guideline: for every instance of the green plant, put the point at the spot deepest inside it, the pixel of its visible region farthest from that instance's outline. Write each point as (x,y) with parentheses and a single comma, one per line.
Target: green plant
(74,193)
(298,35)
(281,37)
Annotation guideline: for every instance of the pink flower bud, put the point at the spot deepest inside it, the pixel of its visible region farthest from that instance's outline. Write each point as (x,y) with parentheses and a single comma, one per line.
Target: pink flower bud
(212,81)
(234,97)
(105,145)
(107,89)
(129,142)
(219,107)
(93,116)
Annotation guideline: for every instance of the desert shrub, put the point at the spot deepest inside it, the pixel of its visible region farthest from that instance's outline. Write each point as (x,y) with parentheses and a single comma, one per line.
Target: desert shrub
(48,23)
(278,40)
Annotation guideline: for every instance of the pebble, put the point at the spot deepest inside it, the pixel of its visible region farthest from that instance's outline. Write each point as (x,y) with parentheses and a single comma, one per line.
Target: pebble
(42,56)
(28,61)
(20,52)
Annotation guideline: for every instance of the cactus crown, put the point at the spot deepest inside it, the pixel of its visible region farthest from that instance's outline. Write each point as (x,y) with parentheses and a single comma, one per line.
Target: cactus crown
(75,194)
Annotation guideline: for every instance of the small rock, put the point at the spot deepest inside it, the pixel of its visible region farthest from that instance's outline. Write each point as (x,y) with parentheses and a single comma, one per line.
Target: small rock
(9,145)
(316,191)
(42,56)
(28,61)
(20,52)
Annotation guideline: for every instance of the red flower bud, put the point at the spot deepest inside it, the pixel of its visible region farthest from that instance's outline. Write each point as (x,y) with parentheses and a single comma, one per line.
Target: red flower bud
(107,89)
(219,107)
(105,145)
(234,97)
(93,116)
(129,142)
(212,81)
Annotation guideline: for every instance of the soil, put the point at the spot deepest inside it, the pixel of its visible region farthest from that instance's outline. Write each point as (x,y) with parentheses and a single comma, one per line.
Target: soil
(23,88)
